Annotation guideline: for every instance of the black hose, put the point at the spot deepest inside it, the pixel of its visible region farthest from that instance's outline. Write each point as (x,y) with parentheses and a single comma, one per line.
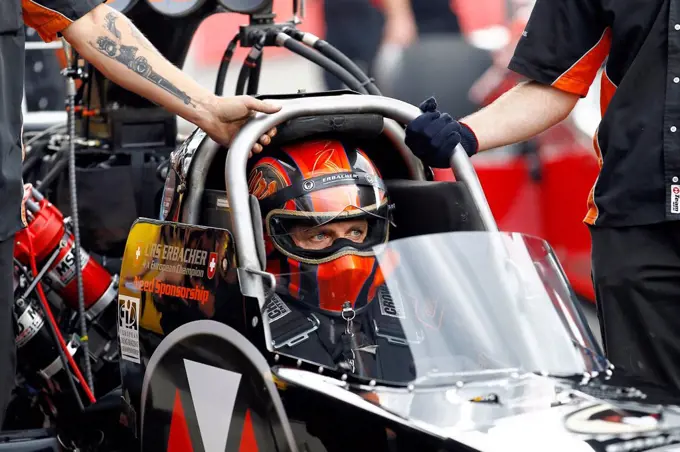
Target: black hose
(224,65)
(53,333)
(334,54)
(29,164)
(249,64)
(283,40)
(242,78)
(88,80)
(254,78)
(328,50)
(65,364)
(54,172)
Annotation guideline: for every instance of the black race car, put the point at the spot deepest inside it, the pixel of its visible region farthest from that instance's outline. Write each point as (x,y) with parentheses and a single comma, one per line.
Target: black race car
(493,351)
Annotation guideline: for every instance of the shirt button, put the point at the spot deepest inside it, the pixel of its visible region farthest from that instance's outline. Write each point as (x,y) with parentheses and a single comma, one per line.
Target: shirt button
(677,26)
(676,80)
(675,178)
(674,129)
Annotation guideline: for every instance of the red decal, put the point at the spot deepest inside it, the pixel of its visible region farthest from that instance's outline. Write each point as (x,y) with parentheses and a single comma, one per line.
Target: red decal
(248,441)
(179,439)
(212,265)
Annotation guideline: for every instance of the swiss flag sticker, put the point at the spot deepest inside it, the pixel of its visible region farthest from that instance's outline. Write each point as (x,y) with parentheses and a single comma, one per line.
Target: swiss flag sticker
(212,265)
(138,253)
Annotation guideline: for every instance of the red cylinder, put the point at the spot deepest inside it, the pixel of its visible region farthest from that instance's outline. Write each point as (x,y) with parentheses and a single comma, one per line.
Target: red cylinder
(48,233)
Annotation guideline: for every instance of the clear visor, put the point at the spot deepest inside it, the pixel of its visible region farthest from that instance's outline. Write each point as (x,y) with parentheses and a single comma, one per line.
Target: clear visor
(315,238)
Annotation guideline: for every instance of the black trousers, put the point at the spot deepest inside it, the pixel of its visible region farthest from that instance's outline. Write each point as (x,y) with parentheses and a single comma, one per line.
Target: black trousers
(636,271)
(7,350)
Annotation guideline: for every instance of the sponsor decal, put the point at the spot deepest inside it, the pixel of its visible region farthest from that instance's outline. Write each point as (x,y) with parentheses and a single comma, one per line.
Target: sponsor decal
(177,266)
(128,328)
(29,324)
(172,259)
(187,256)
(64,271)
(339,177)
(389,305)
(675,198)
(277,309)
(212,265)
(308,185)
(156,286)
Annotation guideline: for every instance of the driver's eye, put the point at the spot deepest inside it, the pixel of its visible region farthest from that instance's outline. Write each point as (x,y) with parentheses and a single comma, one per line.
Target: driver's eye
(320,237)
(356,233)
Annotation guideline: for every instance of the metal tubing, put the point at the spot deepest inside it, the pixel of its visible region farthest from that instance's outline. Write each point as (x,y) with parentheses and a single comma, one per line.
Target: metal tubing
(43,45)
(396,135)
(207,150)
(465,172)
(237,160)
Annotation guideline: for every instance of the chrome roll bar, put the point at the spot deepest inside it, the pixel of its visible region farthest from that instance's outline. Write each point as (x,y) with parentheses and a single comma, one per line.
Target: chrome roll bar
(237,160)
(208,149)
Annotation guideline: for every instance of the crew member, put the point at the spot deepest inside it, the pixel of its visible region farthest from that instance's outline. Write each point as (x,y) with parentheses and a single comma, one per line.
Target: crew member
(634,205)
(324,208)
(116,47)
(342,19)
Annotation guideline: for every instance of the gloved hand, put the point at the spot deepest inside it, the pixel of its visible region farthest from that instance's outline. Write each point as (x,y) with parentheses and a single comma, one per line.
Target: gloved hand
(433,136)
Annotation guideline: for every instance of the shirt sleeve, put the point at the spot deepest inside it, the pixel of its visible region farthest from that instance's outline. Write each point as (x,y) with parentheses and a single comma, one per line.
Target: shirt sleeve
(564,44)
(51,17)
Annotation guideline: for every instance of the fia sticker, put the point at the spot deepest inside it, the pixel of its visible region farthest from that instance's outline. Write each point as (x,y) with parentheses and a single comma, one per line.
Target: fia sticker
(675,198)
(389,305)
(128,328)
(277,309)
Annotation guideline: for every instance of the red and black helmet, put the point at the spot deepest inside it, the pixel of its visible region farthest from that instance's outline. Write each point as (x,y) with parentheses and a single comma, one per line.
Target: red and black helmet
(313,184)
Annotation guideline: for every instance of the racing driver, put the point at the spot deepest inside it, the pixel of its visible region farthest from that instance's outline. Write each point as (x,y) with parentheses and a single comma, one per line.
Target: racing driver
(116,47)
(634,206)
(324,208)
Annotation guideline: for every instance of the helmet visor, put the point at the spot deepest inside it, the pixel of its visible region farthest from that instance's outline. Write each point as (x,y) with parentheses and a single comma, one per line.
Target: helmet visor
(316,238)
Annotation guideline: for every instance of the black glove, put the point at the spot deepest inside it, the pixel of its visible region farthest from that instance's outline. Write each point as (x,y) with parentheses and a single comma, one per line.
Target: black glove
(433,136)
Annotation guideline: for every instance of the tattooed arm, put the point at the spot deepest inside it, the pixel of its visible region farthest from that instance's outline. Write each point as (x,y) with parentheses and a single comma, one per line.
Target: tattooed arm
(108,40)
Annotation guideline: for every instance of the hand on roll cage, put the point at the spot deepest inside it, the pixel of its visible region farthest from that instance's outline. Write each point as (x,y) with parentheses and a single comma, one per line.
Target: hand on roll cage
(433,136)
(228,114)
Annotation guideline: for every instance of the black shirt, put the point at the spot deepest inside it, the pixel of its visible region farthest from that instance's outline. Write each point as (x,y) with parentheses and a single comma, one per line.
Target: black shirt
(638,140)
(434,16)
(47,17)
